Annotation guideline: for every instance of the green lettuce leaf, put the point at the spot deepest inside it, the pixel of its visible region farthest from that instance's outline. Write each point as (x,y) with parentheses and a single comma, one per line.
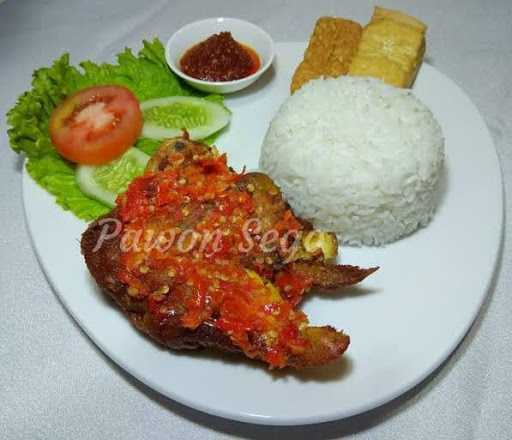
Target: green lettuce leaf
(58,178)
(29,117)
(146,74)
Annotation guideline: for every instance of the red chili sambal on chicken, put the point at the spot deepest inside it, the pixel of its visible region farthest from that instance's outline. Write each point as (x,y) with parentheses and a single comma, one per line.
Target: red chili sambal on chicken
(208,257)
(220,58)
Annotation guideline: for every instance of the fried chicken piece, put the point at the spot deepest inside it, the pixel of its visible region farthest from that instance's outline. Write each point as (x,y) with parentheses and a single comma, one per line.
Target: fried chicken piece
(329,276)
(317,274)
(232,293)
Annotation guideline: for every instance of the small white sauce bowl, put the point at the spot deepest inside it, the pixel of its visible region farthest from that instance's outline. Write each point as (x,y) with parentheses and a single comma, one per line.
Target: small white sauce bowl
(241,30)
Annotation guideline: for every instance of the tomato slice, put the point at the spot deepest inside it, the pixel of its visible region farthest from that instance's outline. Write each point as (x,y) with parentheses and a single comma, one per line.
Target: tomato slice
(95,125)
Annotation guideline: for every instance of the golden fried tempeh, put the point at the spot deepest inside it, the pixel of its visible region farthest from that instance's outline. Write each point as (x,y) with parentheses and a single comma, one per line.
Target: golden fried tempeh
(391,48)
(330,50)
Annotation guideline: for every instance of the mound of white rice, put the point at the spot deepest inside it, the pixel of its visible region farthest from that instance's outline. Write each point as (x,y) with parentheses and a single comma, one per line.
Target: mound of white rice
(357,157)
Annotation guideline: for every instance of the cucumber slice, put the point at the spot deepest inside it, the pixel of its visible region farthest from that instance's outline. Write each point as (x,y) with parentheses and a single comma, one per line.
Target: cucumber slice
(167,117)
(105,182)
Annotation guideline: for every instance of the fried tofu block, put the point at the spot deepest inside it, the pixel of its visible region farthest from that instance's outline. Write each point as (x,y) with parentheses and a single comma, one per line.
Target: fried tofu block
(391,48)
(331,48)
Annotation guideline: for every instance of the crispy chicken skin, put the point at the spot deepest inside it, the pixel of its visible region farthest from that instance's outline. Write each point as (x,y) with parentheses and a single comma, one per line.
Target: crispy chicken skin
(238,302)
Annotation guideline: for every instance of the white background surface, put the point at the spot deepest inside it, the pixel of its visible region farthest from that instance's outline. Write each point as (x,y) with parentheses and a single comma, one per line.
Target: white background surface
(55,384)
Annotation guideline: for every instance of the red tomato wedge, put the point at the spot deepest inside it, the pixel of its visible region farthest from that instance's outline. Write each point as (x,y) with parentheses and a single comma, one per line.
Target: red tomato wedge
(96,125)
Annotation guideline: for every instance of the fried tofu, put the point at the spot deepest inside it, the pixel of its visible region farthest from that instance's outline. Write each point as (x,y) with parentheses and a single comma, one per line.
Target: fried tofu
(332,45)
(391,48)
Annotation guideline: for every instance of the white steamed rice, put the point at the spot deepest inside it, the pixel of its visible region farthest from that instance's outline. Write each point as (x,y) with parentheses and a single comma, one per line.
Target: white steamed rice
(357,157)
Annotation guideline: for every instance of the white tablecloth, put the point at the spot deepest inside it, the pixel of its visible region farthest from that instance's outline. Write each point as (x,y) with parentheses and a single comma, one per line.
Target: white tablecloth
(55,384)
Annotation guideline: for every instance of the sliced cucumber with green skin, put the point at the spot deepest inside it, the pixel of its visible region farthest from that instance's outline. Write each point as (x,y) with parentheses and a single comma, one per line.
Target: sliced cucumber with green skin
(105,182)
(167,117)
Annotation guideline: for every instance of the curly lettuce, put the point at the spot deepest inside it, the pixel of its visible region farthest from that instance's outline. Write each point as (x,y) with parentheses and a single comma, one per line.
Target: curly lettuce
(146,74)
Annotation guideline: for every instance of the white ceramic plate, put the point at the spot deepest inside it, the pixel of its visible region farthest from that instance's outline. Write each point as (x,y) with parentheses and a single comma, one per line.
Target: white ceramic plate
(403,321)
